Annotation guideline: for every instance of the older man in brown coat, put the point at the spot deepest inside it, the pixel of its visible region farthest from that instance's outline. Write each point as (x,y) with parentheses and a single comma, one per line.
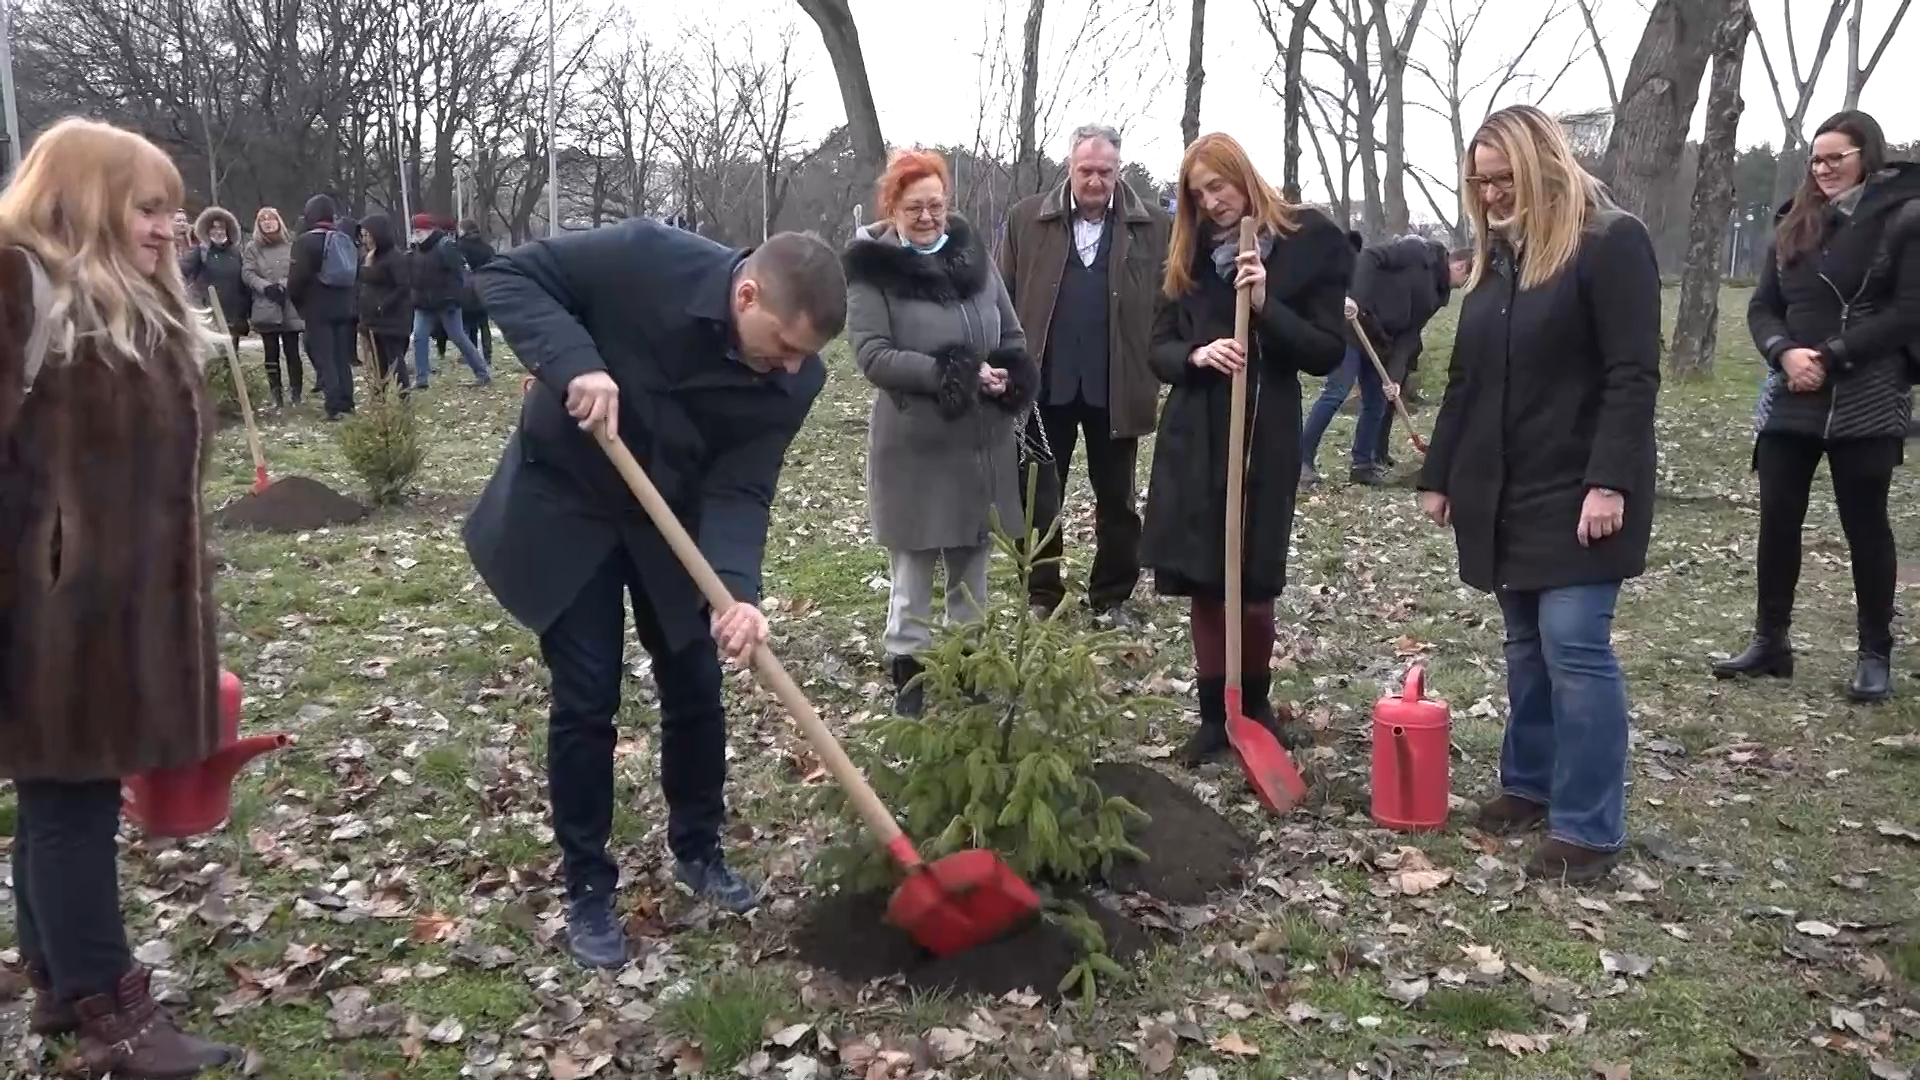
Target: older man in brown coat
(1083,264)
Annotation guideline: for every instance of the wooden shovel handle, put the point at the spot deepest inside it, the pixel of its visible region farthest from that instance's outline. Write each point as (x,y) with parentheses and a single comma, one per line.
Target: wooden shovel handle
(1366,346)
(1237,464)
(239,383)
(774,677)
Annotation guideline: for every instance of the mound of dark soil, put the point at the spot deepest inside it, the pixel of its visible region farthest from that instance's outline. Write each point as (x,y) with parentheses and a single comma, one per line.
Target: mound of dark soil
(291,504)
(847,934)
(1191,850)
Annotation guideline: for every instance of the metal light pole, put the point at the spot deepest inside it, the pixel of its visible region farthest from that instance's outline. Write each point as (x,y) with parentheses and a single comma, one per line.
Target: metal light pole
(7,103)
(553,156)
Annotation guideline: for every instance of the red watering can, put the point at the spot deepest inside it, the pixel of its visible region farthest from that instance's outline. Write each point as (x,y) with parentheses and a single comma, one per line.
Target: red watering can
(1411,746)
(195,799)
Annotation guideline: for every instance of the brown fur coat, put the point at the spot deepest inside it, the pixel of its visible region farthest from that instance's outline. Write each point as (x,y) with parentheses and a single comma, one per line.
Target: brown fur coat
(108,661)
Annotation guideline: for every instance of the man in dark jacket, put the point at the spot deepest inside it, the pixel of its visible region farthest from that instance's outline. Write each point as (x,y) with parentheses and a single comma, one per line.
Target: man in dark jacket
(1397,288)
(704,361)
(386,303)
(328,309)
(477,252)
(1082,263)
(439,274)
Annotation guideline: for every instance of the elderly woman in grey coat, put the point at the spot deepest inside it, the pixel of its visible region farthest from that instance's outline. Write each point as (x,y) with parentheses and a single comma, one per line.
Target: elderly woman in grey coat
(265,261)
(935,333)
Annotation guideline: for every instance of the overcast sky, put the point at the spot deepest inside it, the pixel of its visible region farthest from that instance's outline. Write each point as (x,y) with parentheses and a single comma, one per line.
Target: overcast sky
(933,73)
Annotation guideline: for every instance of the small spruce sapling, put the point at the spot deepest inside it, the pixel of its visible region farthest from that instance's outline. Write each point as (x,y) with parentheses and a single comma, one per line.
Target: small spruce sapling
(1003,757)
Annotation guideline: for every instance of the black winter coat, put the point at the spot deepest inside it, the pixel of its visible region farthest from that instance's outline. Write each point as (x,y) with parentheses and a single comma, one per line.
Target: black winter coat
(1857,303)
(217,269)
(437,271)
(386,301)
(650,306)
(1551,393)
(478,253)
(1299,329)
(314,301)
(1399,286)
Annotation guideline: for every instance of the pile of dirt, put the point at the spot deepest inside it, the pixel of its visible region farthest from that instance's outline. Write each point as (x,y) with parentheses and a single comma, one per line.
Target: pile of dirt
(846,933)
(1192,851)
(291,505)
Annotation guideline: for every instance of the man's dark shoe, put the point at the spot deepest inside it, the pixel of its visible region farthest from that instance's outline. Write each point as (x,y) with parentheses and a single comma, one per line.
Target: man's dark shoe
(594,934)
(1309,476)
(712,880)
(1872,678)
(1557,860)
(127,1034)
(1209,740)
(1509,815)
(909,696)
(51,1017)
(1116,617)
(1766,656)
(1370,475)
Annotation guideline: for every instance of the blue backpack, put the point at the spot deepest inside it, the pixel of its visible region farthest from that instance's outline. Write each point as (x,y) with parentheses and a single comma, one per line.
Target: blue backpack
(339,259)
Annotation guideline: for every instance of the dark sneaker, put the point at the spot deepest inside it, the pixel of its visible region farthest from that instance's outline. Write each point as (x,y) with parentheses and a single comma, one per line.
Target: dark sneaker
(1509,815)
(712,880)
(1369,475)
(594,935)
(1309,476)
(1557,860)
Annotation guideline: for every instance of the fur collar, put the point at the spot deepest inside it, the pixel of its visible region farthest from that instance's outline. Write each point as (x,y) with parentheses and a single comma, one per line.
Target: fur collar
(956,272)
(215,213)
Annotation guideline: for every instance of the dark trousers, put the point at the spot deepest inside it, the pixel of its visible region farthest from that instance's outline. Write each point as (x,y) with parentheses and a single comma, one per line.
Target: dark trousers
(390,358)
(1116,522)
(1862,472)
(583,652)
(66,883)
(279,343)
(331,346)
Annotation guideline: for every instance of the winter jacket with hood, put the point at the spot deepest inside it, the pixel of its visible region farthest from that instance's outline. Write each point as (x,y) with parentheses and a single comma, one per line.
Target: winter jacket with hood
(264,266)
(386,306)
(437,272)
(478,253)
(1856,302)
(315,301)
(941,456)
(219,270)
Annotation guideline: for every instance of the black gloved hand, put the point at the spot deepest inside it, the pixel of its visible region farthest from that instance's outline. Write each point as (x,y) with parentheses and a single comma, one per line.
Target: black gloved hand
(277,293)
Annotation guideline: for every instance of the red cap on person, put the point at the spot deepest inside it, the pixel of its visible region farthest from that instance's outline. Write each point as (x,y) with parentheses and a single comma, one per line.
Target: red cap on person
(424,221)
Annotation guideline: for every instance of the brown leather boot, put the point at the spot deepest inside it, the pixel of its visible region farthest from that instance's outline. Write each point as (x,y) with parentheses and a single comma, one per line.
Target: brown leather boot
(51,1016)
(1557,860)
(1509,815)
(126,1033)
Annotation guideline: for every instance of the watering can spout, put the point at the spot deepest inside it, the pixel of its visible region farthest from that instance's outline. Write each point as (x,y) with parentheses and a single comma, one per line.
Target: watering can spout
(227,762)
(189,800)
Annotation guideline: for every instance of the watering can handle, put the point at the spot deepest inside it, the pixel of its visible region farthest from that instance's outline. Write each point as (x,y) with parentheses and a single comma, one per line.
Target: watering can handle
(1416,683)
(772,675)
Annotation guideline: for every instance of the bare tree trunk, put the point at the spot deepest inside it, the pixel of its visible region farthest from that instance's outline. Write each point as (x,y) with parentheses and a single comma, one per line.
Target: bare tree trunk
(1026,153)
(1696,331)
(1294,108)
(1197,75)
(1393,74)
(842,39)
(1656,105)
(1857,75)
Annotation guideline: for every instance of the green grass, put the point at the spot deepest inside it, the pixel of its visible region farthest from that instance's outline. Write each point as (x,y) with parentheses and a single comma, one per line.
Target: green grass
(415,802)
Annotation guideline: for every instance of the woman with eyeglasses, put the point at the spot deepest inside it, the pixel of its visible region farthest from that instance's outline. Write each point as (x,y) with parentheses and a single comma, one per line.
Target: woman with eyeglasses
(1837,317)
(1543,461)
(935,333)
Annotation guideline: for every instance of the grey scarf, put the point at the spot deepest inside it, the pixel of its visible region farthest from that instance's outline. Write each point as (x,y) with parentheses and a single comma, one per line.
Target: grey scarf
(1225,250)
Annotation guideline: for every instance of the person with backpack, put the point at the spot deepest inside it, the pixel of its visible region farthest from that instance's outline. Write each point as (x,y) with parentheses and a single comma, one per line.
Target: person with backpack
(320,282)
(438,273)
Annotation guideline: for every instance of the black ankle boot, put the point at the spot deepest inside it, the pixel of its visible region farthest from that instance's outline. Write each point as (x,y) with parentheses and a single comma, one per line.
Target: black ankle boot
(1872,677)
(1256,691)
(1768,655)
(1209,740)
(909,697)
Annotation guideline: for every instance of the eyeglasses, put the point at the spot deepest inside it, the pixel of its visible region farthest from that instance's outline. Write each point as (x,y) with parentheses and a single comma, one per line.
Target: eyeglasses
(1502,183)
(1829,162)
(934,210)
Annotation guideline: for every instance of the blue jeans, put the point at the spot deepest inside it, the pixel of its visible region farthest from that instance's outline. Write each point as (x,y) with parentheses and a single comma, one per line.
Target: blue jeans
(1373,410)
(1566,744)
(447,319)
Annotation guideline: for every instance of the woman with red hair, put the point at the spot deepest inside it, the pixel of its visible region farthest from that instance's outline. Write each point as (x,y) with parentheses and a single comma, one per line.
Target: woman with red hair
(1298,280)
(935,333)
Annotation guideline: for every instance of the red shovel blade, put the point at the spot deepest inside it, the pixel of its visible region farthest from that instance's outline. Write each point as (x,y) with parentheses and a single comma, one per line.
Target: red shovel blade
(1269,769)
(260,481)
(962,901)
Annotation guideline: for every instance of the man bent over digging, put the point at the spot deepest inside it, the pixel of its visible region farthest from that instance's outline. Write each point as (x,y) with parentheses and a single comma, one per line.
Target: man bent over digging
(704,361)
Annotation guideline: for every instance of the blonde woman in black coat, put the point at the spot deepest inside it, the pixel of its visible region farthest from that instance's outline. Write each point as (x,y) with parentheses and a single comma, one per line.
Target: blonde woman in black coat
(1543,462)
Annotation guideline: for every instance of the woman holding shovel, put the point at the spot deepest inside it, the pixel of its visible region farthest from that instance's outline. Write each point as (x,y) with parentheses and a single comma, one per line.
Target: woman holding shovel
(1542,462)
(107,616)
(1298,281)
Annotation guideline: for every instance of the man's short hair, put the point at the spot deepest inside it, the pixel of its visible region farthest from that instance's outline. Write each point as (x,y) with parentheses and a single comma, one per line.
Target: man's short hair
(799,274)
(1085,132)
